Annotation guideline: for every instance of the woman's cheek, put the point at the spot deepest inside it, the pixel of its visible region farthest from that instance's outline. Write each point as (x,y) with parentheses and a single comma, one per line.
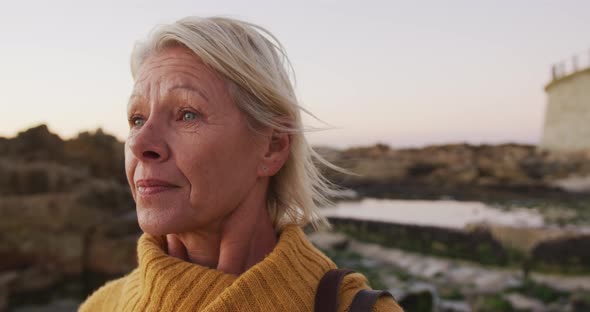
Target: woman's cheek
(130,166)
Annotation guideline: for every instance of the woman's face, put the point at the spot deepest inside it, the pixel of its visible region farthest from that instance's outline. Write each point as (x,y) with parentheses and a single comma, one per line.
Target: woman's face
(190,157)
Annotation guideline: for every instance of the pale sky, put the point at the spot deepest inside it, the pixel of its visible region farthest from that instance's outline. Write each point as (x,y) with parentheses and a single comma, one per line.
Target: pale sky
(405,73)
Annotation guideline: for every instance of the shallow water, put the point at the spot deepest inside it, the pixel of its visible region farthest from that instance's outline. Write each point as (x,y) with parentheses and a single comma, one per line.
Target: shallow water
(442,213)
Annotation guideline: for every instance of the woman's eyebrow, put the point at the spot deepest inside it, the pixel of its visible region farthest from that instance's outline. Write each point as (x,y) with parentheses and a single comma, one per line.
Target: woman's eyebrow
(132,101)
(189,88)
(135,94)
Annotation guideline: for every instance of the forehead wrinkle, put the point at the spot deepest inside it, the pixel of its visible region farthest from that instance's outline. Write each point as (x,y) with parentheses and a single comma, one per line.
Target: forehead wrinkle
(161,75)
(135,96)
(179,77)
(138,86)
(177,83)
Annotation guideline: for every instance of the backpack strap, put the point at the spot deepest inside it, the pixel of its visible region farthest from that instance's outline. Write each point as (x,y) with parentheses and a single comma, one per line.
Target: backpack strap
(326,297)
(365,299)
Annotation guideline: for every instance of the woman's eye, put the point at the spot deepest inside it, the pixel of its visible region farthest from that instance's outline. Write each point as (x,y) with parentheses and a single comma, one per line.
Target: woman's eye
(189,116)
(137,121)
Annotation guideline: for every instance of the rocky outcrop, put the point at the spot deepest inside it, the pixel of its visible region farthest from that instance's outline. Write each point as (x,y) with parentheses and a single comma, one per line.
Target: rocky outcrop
(19,178)
(66,211)
(52,236)
(543,249)
(525,239)
(476,244)
(102,155)
(461,171)
(37,143)
(95,154)
(567,254)
(428,283)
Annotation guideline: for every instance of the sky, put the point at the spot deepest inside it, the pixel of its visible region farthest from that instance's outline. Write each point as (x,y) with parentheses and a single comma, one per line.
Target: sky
(403,73)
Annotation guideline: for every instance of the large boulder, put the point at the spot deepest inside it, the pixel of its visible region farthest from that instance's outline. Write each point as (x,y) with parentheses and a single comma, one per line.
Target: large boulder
(36,143)
(566,254)
(51,236)
(458,170)
(29,178)
(525,239)
(67,212)
(99,153)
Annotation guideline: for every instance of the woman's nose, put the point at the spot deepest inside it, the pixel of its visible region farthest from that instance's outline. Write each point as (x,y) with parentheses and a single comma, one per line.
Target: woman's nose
(149,143)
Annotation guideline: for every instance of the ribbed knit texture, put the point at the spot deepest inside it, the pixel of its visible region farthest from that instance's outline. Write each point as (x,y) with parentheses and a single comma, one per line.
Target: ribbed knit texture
(286,280)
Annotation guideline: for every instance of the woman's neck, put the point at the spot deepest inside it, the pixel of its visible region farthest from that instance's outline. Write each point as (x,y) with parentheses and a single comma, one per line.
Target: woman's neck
(243,239)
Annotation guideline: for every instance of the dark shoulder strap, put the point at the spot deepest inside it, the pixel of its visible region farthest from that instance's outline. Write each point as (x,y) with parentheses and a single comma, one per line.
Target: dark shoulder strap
(326,297)
(365,299)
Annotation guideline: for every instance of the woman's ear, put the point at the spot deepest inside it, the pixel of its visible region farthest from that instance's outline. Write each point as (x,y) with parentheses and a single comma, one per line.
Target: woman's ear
(277,153)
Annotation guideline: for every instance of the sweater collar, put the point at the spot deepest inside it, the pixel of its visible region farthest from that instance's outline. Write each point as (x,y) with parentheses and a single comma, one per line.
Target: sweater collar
(285,280)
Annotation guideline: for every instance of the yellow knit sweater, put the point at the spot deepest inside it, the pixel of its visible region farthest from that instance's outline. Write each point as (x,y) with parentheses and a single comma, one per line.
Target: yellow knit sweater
(286,280)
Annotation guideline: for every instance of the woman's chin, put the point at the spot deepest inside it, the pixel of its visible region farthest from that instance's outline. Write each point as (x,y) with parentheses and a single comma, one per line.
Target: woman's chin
(153,229)
(159,224)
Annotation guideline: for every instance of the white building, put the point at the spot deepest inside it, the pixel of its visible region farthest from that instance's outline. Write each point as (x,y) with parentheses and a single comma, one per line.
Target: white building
(567,116)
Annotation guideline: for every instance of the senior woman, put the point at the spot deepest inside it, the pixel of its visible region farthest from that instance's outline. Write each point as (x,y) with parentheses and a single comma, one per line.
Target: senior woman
(222,177)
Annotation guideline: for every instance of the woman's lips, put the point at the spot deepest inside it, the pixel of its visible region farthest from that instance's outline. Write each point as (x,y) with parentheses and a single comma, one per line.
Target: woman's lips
(151,186)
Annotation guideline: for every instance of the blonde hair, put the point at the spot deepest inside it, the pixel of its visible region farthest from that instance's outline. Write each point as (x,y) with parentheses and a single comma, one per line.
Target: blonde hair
(256,69)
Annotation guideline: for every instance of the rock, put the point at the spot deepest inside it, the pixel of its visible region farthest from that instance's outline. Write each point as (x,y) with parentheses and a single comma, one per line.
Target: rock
(66,208)
(523,303)
(570,254)
(20,178)
(525,239)
(12,259)
(494,281)
(7,280)
(102,154)
(453,306)
(36,278)
(45,234)
(62,305)
(329,240)
(112,256)
(461,170)
(491,303)
(51,229)
(580,302)
(108,197)
(475,244)
(573,184)
(565,283)
(36,143)
(419,297)
(98,153)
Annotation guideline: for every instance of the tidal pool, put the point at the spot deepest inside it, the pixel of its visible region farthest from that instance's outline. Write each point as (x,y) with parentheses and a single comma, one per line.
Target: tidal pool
(442,213)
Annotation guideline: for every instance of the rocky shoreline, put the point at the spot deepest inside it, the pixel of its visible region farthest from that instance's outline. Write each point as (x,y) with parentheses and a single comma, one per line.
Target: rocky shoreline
(462,171)
(430,283)
(550,250)
(68,217)
(69,220)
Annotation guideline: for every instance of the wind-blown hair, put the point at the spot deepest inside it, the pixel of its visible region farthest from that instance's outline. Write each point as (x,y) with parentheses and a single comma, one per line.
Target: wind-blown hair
(257,71)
